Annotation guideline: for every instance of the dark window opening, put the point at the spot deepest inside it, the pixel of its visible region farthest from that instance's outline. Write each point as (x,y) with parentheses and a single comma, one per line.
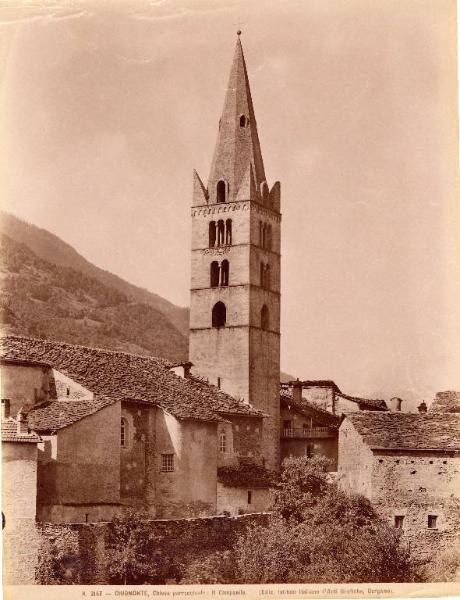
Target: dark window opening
(67,391)
(262,274)
(218,383)
(224,272)
(260,233)
(399,521)
(432,521)
(220,233)
(264,317)
(214,273)
(242,121)
(221,191)
(269,237)
(228,232)
(219,315)
(267,277)
(249,497)
(212,234)
(309,451)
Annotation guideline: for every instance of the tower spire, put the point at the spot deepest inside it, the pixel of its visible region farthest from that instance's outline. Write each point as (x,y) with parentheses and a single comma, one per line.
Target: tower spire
(238,146)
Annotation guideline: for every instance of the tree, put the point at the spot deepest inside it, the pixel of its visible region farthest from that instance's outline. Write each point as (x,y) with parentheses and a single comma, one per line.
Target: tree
(317,534)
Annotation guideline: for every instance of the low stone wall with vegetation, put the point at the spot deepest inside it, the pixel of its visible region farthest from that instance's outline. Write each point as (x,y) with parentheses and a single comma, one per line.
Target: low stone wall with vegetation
(133,551)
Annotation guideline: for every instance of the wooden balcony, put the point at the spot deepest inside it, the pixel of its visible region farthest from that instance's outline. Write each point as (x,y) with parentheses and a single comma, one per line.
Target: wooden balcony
(309,432)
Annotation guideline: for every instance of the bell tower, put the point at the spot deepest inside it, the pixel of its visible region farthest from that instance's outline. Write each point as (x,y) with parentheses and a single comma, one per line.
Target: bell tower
(235,283)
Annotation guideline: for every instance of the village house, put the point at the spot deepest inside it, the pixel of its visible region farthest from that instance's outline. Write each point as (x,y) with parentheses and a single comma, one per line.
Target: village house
(408,465)
(122,431)
(310,414)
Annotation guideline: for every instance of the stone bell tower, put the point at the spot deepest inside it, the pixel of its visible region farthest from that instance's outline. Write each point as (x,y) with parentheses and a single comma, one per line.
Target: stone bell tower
(235,286)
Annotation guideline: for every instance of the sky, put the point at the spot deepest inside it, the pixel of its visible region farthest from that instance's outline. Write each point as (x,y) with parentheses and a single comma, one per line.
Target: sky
(106,108)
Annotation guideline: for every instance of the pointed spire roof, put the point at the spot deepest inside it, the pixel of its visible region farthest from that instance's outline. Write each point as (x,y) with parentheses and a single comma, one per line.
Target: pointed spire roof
(238,146)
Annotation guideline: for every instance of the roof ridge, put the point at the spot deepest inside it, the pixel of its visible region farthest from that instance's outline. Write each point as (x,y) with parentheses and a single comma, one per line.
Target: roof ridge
(160,359)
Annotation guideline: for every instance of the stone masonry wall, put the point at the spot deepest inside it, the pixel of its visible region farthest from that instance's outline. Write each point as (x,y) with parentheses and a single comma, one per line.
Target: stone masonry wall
(415,486)
(76,553)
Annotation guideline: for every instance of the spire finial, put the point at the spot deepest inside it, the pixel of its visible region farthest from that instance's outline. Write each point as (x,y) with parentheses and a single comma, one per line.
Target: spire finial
(238,33)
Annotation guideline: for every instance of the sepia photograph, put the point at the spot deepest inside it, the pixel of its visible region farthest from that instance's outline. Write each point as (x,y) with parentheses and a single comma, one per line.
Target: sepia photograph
(230,293)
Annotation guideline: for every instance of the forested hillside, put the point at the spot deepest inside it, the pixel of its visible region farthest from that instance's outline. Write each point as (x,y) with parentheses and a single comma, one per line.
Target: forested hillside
(43,299)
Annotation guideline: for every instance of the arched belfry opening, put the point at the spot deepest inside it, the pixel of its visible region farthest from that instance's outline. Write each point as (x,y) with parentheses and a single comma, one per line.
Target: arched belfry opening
(212,234)
(221,191)
(228,232)
(214,275)
(224,272)
(219,314)
(264,318)
(242,121)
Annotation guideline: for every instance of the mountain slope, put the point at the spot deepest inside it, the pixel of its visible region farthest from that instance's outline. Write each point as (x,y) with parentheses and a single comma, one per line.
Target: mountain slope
(51,248)
(47,300)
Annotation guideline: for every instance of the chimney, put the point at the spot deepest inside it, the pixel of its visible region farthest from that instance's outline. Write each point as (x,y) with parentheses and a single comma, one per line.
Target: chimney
(297,390)
(5,408)
(22,422)
(422,408)
(395,404)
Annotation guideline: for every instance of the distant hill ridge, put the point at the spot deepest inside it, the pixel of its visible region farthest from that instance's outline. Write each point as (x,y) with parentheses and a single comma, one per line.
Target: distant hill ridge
(50,247)
(47,300)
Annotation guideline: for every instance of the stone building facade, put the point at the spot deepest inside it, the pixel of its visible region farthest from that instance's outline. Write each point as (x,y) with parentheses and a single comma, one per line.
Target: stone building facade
(19,495)
(235,280)
(408,465)
(120,431)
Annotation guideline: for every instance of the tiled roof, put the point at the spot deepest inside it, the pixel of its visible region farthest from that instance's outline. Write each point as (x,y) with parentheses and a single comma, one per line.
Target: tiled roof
(10,433)
(365,403)
(52,416)
(440,431)
(307,406)
(123,376)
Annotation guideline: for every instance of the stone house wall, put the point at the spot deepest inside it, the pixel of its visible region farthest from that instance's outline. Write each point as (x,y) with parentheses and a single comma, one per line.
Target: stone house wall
(408,484)
(19,492)
(238,501)
(415,485)
(80,465)
(25,384)
(355,461)
(192,483)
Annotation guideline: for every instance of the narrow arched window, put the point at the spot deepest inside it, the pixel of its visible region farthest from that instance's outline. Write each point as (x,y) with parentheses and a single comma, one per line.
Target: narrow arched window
(224,272)
(267,277)
(219,315)
(261,235)
(242,121)
(269,237)
(262,274)
(212,234)
(220,233)
(214,273)
(264,317)
(123,433)
(228,232)
(221,191)
(264,235)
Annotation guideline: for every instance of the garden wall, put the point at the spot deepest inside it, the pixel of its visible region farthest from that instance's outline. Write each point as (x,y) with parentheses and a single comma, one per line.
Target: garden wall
(79,552)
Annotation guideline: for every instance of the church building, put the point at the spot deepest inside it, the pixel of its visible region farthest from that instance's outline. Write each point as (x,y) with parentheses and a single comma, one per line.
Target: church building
(235,281)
